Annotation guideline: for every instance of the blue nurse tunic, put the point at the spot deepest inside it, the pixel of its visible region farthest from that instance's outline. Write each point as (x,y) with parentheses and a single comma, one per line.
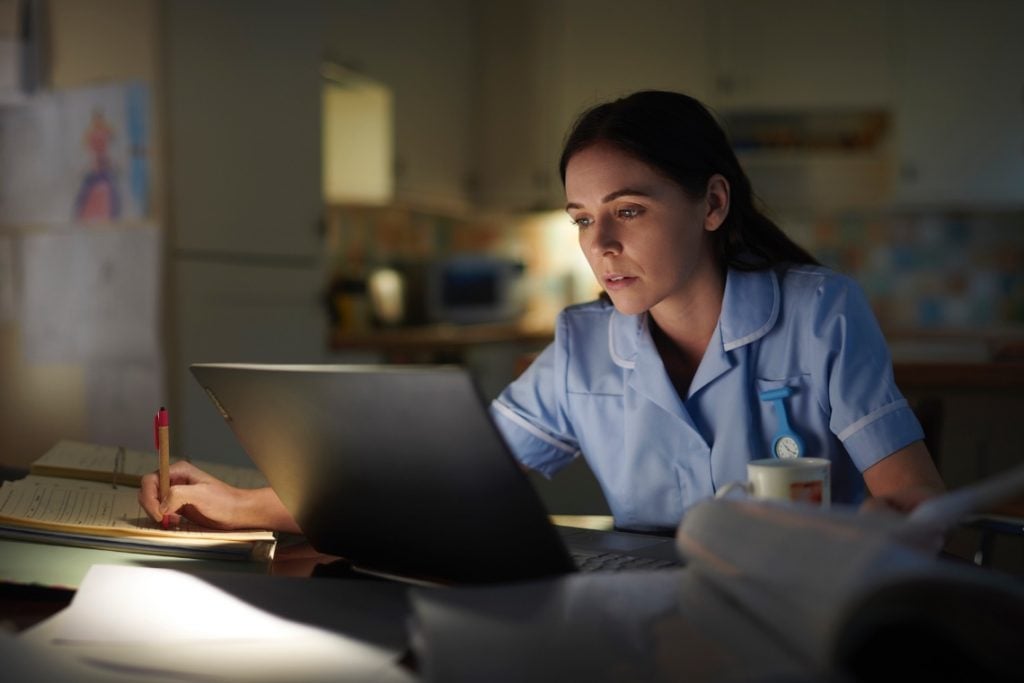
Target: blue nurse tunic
(600,389)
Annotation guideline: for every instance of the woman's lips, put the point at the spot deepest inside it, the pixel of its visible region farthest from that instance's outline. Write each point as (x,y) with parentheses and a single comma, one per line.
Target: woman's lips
(616,282)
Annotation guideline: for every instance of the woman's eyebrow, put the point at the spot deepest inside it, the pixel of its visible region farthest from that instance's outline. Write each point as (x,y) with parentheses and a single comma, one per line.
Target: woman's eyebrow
(624,192)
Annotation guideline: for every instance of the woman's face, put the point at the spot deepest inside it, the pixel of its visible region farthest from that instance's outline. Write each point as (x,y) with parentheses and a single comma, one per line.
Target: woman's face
(647,241)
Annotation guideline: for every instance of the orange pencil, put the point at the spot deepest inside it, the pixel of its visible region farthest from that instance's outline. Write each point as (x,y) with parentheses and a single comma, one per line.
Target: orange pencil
(163,444)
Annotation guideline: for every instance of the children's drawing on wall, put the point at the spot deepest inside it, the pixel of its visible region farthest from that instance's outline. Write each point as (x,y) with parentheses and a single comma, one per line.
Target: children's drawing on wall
(78,155)
(108,125)
(98,198)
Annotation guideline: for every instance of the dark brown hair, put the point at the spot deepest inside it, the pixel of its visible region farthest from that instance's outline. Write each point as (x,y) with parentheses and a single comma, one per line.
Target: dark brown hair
(676,135)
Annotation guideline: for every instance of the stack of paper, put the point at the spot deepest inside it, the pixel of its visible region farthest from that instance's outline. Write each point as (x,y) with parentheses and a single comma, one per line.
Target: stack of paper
(110,464)
(86,495)
(769,592)
(91,514)
(159,624)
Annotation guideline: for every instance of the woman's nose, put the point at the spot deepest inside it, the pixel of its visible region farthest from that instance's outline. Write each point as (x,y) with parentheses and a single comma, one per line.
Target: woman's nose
(604,238)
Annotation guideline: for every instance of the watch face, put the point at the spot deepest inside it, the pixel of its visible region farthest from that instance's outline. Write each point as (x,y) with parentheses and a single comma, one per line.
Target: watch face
(786,447)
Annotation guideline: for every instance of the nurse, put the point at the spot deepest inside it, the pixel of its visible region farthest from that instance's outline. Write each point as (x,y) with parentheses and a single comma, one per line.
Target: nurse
(714,332)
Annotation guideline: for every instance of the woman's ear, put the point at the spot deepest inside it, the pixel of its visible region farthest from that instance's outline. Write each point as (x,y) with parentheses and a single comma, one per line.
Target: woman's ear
(717,198)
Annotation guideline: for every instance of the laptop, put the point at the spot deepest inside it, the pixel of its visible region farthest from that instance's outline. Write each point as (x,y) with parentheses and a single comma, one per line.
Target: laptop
(400,470)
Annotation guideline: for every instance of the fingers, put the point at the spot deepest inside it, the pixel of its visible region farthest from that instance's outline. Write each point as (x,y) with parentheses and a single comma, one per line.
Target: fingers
(206,505)
(177,498)
(148,496)
(196,495)
(188,501)
(183,474)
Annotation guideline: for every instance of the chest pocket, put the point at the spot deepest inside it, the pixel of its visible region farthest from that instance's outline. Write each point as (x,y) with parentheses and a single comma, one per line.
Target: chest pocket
(803,410)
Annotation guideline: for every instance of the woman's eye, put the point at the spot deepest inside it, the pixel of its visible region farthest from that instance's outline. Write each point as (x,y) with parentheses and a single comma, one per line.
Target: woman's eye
(628,212)
(582,221)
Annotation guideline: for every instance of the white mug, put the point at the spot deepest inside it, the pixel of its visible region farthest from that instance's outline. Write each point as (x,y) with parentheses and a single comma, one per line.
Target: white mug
(802,480)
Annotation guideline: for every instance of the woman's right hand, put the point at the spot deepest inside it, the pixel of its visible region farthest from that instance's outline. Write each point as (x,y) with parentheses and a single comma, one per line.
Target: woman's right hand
(206,500)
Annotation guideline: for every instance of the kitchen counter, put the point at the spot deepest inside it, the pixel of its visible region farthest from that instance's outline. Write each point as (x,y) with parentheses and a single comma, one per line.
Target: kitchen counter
(928,363)
(968,375)
(437,337)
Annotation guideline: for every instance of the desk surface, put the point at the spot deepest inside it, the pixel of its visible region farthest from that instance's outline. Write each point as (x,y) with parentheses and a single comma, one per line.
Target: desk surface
(38,580)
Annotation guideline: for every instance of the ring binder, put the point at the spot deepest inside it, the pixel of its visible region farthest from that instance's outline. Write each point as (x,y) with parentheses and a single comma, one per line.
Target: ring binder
(118,470)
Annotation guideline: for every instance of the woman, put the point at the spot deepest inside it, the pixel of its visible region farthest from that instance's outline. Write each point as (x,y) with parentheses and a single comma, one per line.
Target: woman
(711,307)
(660,383)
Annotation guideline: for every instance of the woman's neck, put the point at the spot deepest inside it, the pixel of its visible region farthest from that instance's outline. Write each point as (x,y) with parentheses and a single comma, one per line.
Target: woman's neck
(682,329)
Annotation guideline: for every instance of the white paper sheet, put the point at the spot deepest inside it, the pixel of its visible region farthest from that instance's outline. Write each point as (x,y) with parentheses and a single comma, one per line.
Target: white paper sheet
(161,622)
(34,661)
(91,295)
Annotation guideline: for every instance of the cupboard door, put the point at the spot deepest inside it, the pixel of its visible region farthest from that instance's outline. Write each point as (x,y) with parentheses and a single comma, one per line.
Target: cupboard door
(247,313)
(243,121)
(960,108)
(542,62)
(513,163)
(424,53)
(797,53)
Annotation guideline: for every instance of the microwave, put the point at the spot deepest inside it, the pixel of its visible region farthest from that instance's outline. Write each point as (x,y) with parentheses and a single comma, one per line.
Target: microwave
(472,289)
(464,289)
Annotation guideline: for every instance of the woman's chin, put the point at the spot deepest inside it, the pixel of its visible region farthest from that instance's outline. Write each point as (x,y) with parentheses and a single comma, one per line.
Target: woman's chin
(625,306)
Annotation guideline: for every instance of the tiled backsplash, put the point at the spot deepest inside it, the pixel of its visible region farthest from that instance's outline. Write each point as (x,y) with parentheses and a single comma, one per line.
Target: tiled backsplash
(920,270)
(362,237)
(927,270)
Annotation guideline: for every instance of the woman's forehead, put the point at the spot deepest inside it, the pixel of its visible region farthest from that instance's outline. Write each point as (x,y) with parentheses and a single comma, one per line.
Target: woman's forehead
(604,162)
(602,169)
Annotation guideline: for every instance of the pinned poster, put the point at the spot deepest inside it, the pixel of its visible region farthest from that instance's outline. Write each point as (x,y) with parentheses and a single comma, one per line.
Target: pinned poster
(91,295)
(77,156)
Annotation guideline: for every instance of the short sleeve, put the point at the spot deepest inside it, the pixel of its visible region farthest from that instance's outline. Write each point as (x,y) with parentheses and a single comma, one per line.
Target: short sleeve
(530,413)
(867,412)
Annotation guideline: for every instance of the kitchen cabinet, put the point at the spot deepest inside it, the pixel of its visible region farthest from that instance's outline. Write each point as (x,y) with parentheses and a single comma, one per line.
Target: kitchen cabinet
(543,63)
(974,414)
(788,54)
(826,62)
(238,312)
(243,111)
(662,46)
(243,120)
(424,52)
(960,104)
(515,159)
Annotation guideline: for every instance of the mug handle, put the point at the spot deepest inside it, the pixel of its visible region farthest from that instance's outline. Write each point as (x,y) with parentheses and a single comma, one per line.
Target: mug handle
(732,486)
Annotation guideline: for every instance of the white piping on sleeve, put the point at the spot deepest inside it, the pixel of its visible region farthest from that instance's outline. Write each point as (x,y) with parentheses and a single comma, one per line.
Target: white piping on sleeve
(868,419)
(540,434)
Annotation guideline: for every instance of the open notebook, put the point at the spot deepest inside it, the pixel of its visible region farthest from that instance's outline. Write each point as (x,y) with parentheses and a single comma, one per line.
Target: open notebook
(95,515)
(124,466)
(400,470)
(85,494)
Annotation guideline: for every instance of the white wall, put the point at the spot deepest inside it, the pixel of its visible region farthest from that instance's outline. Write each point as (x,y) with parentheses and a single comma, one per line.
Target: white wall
(93,41)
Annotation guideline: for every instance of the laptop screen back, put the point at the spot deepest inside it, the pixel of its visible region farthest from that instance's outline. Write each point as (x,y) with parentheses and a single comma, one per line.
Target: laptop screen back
(398,469)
